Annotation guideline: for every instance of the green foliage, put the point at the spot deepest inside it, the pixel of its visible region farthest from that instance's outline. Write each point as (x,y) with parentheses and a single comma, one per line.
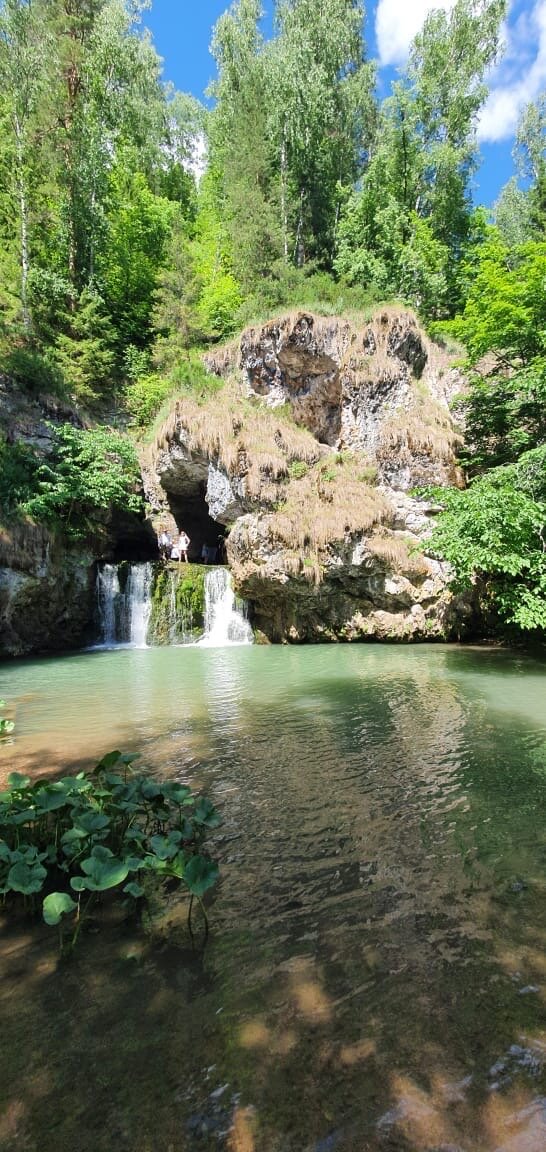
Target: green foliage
(505,415)
(85,351)
(18,476)
(505,310)
(138,233)
(493,533)
(34,370)
(145,396)
(404,230)
(88,471)
(87,834)
(298,469)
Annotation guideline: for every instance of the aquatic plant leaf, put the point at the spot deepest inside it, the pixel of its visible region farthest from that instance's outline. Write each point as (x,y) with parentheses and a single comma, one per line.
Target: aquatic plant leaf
(166,846)
(23,817)
(17,782)
(200,874)
(150,790)
(57,905)
(89,822)
(178,793)
(134,889)
(205,813)
(51,798)
(26,878)
(99,852)
(101,874)
(76,784)
(108,761)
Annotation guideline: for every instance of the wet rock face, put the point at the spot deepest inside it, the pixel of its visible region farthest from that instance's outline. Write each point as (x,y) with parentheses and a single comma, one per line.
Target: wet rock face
(46,607)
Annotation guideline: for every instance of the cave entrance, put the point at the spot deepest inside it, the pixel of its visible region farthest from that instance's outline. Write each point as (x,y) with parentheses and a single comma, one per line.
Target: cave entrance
(191,514)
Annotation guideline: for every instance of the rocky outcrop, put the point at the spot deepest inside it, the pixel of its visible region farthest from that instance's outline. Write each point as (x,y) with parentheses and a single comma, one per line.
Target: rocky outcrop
(382,389)
(46,594)
(326,540)
(377,586)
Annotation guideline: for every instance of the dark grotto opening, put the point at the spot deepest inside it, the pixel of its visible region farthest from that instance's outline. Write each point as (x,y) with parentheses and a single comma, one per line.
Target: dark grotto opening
(190,512)
(132,539)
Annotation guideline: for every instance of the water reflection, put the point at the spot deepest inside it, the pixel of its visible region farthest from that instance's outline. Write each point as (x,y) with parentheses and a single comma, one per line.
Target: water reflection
(375,975)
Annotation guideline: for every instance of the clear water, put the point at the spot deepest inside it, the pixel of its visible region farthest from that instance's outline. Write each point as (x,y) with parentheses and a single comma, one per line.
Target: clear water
(375,975)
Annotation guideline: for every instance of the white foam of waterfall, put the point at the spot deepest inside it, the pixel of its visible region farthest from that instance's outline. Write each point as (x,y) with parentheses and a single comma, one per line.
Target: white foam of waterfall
(225,617)
(123,616)
(108,593)
(139,602)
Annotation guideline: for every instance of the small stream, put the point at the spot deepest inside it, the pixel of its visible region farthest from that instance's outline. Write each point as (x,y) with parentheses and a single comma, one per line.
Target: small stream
(375,975)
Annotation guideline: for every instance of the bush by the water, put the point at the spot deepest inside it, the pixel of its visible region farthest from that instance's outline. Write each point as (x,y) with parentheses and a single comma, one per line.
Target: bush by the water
(64,842)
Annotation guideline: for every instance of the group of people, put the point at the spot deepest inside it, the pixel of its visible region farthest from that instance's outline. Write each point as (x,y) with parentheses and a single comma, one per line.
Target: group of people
(177,548)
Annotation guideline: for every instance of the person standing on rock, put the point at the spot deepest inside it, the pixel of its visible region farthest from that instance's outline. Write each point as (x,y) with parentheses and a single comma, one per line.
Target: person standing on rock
(183,545)
(165,544)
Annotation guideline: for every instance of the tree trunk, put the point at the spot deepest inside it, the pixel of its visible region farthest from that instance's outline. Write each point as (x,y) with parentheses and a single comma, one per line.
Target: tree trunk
(23,210)
(299,247)
(284,212)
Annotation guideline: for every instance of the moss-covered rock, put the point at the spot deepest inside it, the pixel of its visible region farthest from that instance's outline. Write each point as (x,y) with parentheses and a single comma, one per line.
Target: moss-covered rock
(178,604)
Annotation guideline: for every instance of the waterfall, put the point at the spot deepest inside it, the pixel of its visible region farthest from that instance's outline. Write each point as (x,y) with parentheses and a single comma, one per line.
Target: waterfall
(123,615)
(225,617)
(139,604)
(108,594)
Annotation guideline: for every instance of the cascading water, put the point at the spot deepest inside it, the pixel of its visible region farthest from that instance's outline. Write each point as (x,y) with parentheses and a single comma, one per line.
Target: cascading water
(124,615)
(108,594)
(225,617)
(139,603)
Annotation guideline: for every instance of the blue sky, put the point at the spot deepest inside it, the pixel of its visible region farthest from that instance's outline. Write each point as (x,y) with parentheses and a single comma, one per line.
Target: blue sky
(182,33)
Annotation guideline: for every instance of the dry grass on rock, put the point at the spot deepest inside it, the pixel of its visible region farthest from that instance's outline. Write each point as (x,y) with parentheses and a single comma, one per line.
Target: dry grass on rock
(244,438)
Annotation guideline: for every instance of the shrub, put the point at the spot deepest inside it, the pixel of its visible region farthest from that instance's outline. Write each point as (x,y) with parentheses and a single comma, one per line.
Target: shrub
(298,469)
(145,396)
(34,370)
(18,469)
(87,471)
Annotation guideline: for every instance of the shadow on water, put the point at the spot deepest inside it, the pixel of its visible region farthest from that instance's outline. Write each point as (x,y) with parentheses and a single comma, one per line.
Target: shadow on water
(375,975)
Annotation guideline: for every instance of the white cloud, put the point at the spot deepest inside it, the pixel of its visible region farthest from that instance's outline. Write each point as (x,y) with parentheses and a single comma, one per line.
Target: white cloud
(396,25)
(520,77)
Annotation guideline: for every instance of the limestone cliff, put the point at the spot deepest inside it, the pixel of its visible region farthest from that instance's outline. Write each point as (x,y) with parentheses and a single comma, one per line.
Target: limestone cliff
(308,454)
(47,582)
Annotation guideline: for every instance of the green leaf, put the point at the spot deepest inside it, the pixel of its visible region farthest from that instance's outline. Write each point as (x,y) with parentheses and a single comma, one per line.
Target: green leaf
(26,878)
(102,873)
(134,889)
(57,905)
(17,782)
(88,822)
(205,813)
(200,874)
(108,761)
